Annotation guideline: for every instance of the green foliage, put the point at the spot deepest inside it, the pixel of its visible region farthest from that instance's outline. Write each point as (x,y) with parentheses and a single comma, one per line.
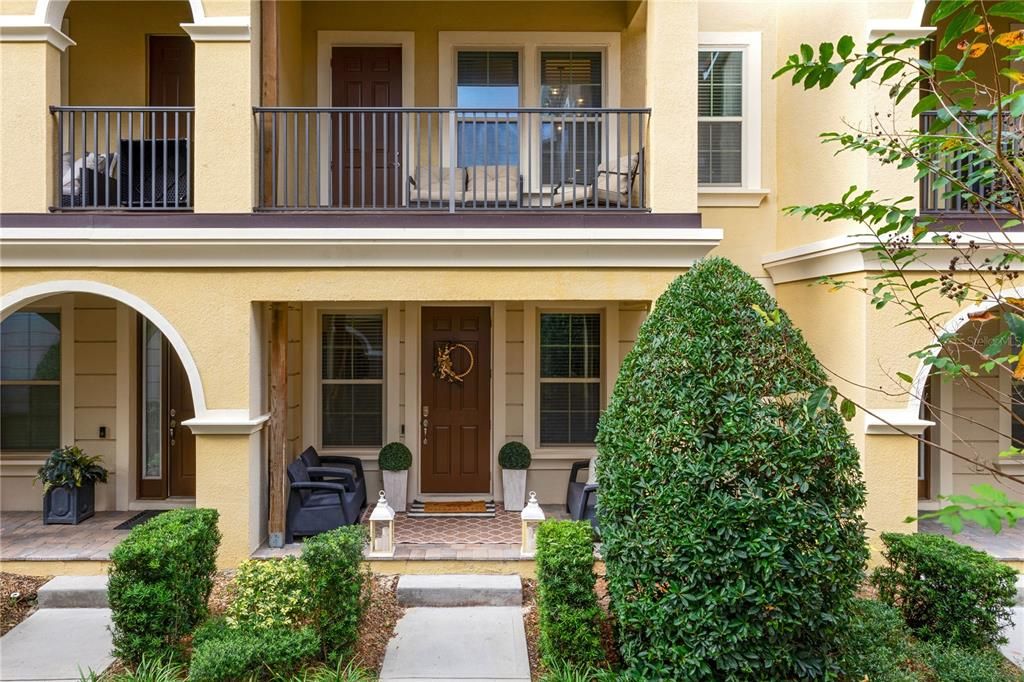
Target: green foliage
(339,673)
(161,575)
(69,466)
(951,663)
(394,457)
(877,644)
(988,507)
(336,586)
(149,670)
(569,672)
(566,601)
(224,653)
(945,590)
(270,594)
(730,497)
(514,455)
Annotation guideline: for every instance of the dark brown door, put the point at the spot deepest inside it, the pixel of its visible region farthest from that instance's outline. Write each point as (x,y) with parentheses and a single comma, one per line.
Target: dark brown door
(171,71)
(455,433)
(173,474)
(368,145)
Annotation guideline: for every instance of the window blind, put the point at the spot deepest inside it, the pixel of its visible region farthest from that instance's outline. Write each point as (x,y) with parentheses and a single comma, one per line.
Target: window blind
(570,378)
(720,117)
(30,381)
(352,380)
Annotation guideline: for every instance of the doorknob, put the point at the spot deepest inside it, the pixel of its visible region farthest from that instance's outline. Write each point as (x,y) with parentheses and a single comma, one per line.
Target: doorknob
(425,422)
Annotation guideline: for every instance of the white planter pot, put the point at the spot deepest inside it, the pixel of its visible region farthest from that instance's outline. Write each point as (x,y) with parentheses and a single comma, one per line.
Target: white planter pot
(513,484)
(396,488)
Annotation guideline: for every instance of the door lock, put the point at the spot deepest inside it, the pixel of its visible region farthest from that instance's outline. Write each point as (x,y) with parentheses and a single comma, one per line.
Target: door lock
(425,422)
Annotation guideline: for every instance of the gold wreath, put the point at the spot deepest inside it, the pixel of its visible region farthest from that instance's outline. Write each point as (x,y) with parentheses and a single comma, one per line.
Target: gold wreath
(444,368)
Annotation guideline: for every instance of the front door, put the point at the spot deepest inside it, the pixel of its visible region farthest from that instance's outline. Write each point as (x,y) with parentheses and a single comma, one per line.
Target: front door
(167,466)
(171,73)
(455,434)
(368,148)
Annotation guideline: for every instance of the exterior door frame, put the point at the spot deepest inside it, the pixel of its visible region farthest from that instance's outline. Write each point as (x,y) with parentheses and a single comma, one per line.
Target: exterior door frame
(326,41)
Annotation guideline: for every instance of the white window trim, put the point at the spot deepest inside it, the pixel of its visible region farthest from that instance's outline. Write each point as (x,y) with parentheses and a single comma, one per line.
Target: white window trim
(749,192)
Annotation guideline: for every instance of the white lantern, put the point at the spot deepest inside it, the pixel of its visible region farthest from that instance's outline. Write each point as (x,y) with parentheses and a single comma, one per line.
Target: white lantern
(532,516)
(382,528)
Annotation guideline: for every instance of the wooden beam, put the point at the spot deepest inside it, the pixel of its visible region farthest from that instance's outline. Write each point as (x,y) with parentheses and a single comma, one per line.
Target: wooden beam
(277,448)
(268,82)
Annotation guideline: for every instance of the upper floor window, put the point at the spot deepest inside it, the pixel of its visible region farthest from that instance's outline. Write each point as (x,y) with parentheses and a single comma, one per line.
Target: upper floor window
(729,110)
(487,80)
(571,144)
(30,381)
(352,380)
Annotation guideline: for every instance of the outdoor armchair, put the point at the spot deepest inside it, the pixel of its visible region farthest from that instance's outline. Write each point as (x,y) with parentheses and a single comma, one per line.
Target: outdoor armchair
(332,466)
(581,497)
(318,506)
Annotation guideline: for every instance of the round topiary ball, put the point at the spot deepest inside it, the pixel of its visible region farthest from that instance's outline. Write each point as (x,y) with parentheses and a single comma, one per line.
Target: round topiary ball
(514,455)
(729,492)
(394,457)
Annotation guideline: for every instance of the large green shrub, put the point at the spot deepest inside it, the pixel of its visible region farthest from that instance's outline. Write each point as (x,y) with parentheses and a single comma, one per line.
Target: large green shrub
(877,646)
(336,586)
(224,654)
(514,455)
(161,575)
(270,593)
(730,491)
(566,601)
(394,457)
(946,590)
(951,663)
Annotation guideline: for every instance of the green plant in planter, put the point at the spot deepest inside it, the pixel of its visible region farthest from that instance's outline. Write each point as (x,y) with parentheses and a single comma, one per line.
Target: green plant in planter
(514,455)
(394,457)
(69,466)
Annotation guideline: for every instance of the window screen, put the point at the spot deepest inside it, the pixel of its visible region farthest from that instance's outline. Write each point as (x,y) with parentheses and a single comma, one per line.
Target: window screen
(30,381)
(352,380)
(488,80)
(570,378)
(720,117)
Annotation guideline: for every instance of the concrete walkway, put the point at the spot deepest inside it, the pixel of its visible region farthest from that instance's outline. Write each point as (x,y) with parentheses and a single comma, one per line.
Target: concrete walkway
(440,639)
(68,636)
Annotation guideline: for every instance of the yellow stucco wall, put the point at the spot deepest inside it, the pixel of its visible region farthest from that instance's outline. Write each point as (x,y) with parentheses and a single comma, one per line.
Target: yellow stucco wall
(227,475)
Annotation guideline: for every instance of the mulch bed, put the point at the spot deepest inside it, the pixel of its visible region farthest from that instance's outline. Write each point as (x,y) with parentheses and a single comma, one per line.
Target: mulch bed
(378,623)
(17,598)
(223,592)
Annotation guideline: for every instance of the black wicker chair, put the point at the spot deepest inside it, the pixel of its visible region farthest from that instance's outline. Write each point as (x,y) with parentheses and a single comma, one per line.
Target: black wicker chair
(155,173)
(353,466)
(581,497)
(318,506)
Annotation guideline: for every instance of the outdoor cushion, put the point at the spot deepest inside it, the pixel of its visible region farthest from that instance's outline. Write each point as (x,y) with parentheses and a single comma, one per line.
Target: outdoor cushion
(433,183)
(493,184)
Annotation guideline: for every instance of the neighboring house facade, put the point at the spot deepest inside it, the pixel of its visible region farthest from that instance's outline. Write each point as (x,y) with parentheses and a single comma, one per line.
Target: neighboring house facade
(233,229)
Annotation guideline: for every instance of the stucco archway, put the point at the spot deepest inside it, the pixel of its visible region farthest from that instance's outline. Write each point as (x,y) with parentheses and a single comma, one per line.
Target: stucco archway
(15,300)
(51,12)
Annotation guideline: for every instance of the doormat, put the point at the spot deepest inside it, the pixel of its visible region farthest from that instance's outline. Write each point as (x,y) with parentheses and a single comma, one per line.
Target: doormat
(471,508)
(139,519)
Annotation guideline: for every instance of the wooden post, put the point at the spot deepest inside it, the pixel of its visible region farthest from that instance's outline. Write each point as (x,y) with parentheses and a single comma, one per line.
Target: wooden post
(277,449)
(269,87)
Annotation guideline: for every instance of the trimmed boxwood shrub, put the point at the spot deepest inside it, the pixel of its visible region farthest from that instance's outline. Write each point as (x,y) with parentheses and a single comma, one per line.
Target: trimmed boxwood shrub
(161,575)
(946,590)
(730,491)
(514,455)
(394,457)
(566,602)
(224,653)
(336,586)
(877,645)
(270,593)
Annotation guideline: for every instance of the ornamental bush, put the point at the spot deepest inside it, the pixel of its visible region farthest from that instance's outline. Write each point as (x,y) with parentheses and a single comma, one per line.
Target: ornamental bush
(394,457)
(514,455)
(569,616)
(270,594)
(946,590)
(161,575)
(336,586)
(224,653)
(730,491)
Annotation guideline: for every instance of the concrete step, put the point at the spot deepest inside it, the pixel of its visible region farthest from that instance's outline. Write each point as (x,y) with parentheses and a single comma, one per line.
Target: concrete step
(1020,590)
(460,590)
(74,592)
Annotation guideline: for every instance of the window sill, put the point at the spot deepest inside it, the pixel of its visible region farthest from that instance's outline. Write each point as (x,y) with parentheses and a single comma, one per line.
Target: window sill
(734,197)
(1011,465)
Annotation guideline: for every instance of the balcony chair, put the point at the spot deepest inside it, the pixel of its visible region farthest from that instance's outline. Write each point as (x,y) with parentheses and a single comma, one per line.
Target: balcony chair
(497,186)
(88,181)
(325,467)
(431,185)
(613,186)
(581,497)
(154,170)
(318,506)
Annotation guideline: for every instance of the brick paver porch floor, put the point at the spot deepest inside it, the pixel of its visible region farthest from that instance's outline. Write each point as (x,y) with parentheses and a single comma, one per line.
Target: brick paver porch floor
(24,537)
(1008,545)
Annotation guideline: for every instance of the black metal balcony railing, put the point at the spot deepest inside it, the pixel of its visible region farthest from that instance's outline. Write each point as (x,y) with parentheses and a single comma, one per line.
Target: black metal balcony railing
(123,158)
(451,159)
(938,196)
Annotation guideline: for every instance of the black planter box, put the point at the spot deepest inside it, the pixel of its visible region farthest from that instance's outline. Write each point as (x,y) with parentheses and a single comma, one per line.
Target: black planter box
(69,505)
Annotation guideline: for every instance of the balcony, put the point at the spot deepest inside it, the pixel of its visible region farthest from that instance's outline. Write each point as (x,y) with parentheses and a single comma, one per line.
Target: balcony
(123,158)
(450,160)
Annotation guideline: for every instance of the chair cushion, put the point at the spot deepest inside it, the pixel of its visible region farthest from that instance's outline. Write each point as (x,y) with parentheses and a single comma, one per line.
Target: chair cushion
(493,183)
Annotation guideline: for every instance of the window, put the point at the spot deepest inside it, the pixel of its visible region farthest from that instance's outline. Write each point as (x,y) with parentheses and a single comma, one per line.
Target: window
(352,380)
(152,400)
(570,378)
(30,382)
(570,143)
(487,80)
(728,115)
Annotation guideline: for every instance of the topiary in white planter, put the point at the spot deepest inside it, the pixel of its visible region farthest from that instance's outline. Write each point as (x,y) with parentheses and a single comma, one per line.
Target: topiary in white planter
(394,460)
(514,458)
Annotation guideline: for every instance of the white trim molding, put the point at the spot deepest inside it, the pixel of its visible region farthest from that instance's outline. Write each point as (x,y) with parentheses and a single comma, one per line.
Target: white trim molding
(16,32)
(899,30)
(219,30)
(840,255)
(357,247)
(226,423)
(895,422)
(749,190)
